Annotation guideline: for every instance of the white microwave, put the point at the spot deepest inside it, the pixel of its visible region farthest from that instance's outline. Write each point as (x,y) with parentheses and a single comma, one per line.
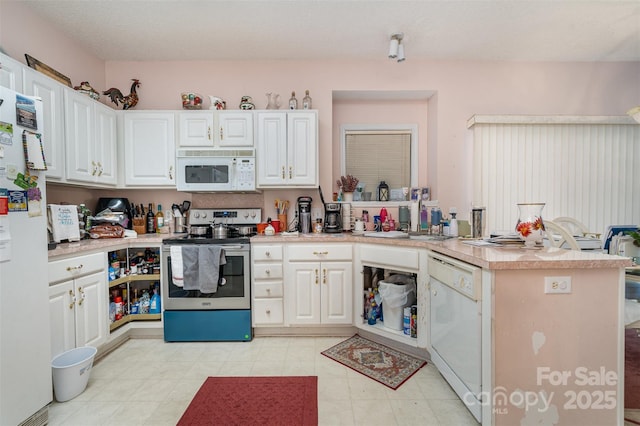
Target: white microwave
(207,170)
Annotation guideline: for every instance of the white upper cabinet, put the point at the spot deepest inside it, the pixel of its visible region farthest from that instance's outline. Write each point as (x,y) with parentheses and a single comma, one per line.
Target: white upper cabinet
(287,149)
(91,136)
(149,148)
(11,73)
(52,94)
(216,129)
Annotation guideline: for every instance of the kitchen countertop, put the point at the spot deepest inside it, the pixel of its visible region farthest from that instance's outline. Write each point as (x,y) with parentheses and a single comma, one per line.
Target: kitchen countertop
(495,258)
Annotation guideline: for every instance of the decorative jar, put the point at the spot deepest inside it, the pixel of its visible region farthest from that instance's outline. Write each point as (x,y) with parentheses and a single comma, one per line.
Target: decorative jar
(530,227)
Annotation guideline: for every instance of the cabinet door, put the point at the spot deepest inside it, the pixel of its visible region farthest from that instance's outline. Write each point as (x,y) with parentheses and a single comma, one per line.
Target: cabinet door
(62,317)
(149,146)
(235,128)
(196,129)
(302,155)
(106,140)
(52,94)
(91,326)
(11,73)
(302,288)
(271,149)
(80,136)
(336,288)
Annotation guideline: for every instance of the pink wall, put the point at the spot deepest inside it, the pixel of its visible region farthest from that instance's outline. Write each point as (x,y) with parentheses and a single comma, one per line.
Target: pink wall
(461,89)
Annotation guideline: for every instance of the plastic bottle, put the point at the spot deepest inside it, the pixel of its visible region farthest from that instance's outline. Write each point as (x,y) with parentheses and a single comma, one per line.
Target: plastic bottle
(154,305)
(159,219)
(145,301)
(424,218)
(118,302)
(453,223)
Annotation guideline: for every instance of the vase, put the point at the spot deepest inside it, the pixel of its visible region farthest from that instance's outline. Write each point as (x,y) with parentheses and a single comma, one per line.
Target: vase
(347,197)
(530,227)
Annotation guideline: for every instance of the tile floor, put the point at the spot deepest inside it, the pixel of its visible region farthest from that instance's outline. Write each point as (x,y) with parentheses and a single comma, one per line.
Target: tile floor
(150,382)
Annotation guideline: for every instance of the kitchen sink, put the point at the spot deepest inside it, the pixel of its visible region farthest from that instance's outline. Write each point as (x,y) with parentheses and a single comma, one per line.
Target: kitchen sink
(429,237)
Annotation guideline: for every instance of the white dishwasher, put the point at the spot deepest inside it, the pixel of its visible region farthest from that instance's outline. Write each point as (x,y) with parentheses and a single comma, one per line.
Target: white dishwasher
(455,327)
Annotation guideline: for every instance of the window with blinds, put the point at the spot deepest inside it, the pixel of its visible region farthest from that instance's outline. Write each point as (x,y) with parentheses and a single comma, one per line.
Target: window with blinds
(373,156)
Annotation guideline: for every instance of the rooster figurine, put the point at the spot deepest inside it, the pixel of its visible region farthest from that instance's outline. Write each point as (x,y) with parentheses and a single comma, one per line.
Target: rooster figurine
(128,101)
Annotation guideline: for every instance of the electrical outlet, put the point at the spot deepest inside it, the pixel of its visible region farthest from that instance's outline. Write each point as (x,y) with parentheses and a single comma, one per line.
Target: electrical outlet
(557,285)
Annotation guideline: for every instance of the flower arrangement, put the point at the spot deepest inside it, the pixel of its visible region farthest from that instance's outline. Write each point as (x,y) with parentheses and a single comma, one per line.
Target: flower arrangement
(347,183)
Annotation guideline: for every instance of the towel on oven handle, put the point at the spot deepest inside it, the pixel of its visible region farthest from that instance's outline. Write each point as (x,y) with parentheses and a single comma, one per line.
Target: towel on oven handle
(177,270)
(201,267)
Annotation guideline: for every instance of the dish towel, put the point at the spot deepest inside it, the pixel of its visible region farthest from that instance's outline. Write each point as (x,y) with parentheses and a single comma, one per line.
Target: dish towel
(201,265)
(177,270)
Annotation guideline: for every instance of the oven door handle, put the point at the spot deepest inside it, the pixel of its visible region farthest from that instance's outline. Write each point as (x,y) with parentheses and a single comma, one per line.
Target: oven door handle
(231,246)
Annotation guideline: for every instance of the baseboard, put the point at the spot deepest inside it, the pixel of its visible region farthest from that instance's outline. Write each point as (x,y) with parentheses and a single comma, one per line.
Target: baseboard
(338,331)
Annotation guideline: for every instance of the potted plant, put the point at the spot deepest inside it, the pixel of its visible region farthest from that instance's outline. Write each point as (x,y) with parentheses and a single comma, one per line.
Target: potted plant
(347,184)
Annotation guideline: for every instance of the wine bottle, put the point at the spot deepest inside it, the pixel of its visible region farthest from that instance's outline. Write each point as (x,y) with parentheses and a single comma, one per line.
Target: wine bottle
(151,220)
(159,219)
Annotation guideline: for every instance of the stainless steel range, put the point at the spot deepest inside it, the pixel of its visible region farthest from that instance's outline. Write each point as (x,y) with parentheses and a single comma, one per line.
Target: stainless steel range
(206,278)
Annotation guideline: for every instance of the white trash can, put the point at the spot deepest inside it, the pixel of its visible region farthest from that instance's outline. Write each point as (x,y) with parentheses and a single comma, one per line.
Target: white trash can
(71,371)
(397,292)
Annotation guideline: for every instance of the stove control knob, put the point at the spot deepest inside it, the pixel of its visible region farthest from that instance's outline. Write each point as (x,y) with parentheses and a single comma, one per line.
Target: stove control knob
(204,215)
(246,215)
(196,215)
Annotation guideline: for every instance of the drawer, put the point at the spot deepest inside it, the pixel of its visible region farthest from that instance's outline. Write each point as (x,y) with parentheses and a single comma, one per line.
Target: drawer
(395,257)
(267,270)
(73,267)
(268,311)
(266,252)
(319,252)
(268,289)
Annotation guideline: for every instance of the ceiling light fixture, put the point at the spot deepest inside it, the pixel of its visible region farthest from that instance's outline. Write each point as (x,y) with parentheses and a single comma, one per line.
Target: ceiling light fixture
(396,48)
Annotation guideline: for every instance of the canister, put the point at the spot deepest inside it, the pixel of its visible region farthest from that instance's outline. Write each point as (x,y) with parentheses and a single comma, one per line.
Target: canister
(406,321)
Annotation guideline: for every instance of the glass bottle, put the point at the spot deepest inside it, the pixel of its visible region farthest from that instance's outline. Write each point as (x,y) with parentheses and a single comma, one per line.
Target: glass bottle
(293,102)
(151,220)
(159,219)
(306,101)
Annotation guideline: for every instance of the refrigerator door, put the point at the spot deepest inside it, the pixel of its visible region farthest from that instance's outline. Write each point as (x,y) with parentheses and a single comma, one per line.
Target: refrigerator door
(25,353)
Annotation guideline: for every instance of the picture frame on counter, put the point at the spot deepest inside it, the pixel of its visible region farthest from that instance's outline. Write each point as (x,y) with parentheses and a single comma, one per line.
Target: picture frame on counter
(47,70)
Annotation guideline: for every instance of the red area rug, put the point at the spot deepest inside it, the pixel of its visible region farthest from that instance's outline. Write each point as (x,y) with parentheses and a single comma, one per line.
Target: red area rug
(254,401)
(378,362)
(632,369)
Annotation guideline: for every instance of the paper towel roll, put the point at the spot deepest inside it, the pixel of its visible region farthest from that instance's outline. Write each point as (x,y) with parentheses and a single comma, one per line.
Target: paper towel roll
(346,217)
(415,216)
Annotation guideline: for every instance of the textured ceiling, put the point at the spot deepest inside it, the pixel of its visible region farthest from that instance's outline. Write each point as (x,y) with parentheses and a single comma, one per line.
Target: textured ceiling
(518,30)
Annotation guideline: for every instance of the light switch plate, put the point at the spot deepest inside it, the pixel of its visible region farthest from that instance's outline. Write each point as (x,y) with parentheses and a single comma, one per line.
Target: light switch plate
(557,285)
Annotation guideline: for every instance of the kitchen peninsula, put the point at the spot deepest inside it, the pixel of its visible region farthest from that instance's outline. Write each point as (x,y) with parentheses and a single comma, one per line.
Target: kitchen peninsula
(559,357)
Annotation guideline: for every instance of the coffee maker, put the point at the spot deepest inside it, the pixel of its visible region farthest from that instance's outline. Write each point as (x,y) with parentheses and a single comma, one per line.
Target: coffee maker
(304,215)
(332,218)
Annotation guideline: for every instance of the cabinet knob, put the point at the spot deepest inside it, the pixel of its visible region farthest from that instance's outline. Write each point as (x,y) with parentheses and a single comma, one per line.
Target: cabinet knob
(267,271)
(99,169)
(74,268)
(316,271)
(82,296)
(73,299)
(171,172)
(324,276)
(268,254)
(268,290)
(268,312)
(95,168)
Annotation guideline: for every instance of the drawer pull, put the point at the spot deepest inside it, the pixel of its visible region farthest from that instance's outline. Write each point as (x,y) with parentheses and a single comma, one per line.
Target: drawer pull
(268,290)
(319,253)
(74,268)
(268,312)
(82,296)
(316,271)
(73,299)
(267,271)
(324,276)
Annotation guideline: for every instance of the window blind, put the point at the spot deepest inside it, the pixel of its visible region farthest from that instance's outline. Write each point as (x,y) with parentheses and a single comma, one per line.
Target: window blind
(374,156)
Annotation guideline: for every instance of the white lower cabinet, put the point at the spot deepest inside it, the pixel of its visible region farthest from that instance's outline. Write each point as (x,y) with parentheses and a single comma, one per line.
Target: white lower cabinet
(268,289)
(318,284)
(77,300)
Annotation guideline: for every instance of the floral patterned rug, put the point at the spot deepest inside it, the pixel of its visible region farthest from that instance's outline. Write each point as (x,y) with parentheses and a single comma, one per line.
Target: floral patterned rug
(381,363)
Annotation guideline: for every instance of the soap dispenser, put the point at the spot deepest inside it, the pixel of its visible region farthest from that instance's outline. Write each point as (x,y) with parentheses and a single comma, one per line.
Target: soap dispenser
(453,223)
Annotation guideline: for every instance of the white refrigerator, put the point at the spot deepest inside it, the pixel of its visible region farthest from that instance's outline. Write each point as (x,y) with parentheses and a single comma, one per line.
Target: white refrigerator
(25,349)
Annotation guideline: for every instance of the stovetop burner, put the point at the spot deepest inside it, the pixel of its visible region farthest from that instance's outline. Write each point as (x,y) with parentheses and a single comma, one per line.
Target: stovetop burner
(234,219)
